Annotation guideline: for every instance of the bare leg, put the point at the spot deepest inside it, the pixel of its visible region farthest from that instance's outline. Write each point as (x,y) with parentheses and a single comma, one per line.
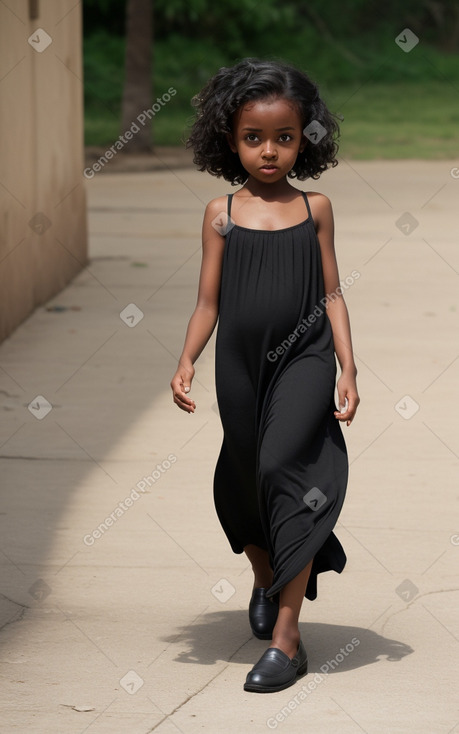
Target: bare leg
(286,635)
(260,564)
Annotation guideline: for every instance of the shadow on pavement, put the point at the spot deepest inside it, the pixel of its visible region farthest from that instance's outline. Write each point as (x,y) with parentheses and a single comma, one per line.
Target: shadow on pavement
(339,647)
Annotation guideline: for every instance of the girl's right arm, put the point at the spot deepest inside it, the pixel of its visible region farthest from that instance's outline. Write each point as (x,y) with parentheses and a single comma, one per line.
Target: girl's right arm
(205,314)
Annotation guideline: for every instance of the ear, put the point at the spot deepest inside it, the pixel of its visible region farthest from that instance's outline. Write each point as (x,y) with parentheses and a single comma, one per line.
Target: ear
(304,142)
(230,140)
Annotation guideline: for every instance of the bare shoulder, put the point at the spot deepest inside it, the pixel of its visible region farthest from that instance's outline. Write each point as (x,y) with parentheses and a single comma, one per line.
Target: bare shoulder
(321,208)
(319,201)
(217,206)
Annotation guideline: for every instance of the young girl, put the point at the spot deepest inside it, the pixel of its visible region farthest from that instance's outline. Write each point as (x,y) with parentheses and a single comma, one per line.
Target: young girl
(270,277)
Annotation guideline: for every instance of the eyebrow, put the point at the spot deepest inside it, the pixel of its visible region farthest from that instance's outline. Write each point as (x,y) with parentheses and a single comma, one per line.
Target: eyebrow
(260,129)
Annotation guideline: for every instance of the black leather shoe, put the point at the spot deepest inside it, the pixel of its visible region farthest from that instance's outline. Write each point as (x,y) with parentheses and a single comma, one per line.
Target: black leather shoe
(262,614)
(276,671)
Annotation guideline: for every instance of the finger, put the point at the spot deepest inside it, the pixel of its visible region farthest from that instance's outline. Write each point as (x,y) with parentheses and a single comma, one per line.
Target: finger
(343,416)
(348,416)
(189,407)
(180,395)
(353,403)
(180,386)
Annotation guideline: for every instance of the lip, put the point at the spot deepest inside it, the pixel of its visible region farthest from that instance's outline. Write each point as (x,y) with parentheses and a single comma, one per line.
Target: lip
(268,169)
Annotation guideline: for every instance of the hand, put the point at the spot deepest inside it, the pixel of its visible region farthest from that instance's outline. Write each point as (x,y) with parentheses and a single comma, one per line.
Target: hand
(347,388)
(181,385)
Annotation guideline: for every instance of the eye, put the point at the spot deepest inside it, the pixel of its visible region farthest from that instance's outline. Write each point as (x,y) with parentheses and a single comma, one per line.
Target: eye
(251,138)
(285,138)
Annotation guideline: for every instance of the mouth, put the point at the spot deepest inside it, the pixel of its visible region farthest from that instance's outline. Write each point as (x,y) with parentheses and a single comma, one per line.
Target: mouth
(268,167)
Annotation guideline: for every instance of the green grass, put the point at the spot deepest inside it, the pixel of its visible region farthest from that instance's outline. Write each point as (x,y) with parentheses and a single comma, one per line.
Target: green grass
(398,121)
(380,121)
(103,128)
(399,106)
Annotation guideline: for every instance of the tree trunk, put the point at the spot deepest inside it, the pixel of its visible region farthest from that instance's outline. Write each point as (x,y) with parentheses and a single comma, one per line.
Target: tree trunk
(137,93)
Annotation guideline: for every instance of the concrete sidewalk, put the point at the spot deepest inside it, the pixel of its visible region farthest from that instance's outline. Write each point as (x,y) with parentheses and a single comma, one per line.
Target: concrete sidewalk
(141,625)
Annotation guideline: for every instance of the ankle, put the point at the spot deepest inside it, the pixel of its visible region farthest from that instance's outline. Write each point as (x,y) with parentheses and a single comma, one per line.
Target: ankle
(262,578)
(262,571)
(286,639)
(288,634)
(262,582)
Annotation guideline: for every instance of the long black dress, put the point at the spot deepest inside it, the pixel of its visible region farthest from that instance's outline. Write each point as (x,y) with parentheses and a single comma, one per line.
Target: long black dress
(281,476)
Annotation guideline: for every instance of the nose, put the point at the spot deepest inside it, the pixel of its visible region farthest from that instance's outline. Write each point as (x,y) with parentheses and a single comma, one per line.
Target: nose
(269,150)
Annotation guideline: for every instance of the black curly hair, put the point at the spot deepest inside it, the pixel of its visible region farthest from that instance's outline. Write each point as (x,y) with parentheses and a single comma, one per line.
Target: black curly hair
(250,80)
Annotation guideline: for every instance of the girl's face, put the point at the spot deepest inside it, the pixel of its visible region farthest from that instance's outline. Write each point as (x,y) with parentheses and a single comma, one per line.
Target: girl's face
(267,135)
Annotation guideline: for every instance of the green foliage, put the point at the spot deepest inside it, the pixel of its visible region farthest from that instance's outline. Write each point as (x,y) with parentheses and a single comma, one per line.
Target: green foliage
(395,104)
(238,23)
(103,69)
(232,26)
(108,16)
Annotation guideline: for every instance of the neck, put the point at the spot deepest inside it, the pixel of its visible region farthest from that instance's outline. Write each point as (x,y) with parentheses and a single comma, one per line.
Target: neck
(267,191)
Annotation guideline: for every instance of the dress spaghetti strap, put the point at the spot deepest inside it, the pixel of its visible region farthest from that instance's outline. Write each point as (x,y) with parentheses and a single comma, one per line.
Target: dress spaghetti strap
(230,199)
(305,197)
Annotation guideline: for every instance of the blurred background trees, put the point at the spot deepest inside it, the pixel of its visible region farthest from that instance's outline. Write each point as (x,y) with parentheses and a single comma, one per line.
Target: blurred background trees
(349,49)
(138,71)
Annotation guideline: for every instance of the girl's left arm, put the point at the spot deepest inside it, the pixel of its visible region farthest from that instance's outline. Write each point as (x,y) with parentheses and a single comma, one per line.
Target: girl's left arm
(336,309)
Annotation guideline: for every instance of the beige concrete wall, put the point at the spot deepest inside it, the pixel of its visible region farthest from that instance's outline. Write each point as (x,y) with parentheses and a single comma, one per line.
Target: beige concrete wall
(43,233)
